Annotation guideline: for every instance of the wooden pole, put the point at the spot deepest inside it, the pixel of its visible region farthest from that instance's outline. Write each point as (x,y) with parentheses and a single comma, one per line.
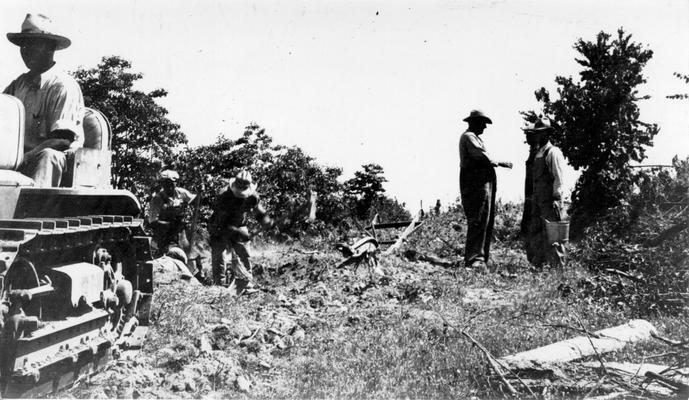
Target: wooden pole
(403,236)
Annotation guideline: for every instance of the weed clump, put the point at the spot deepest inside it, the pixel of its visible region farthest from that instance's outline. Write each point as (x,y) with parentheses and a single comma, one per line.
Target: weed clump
(639,252)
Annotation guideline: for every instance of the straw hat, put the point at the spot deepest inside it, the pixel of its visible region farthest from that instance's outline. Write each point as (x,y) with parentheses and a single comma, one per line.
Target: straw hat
(170,175)
(242,185)
(38,26)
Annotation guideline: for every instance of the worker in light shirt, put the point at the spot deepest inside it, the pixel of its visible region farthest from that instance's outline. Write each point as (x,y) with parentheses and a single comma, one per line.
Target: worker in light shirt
(547,196)
(166,213)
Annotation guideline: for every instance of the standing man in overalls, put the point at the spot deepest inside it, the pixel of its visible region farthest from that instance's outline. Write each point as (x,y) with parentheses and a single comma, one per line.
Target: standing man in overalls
(547,196)
(477,186)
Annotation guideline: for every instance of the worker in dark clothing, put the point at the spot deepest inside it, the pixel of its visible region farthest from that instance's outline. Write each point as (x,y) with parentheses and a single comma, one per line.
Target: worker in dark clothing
(229,232)
(477,186)
(528,189)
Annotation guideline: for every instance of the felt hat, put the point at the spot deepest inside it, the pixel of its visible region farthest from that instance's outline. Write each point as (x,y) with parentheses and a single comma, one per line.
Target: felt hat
(242,185)
(529,127)
(38,26)
(477,114)
(543,125)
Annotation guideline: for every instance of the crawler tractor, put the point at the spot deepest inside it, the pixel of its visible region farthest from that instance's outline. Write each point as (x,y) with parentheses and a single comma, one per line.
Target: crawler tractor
(75,265)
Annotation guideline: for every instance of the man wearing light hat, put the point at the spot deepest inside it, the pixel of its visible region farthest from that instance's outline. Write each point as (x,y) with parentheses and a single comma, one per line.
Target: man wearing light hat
(166,212)
(229,231)
(477,186)
(546,200)
(53,103)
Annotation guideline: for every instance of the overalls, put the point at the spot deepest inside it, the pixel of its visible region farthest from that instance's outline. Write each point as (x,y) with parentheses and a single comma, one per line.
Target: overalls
(525,224)
(478,199)
(542,208)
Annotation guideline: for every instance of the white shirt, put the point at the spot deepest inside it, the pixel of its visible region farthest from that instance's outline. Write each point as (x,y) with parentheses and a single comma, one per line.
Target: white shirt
(52,101)
(159,200)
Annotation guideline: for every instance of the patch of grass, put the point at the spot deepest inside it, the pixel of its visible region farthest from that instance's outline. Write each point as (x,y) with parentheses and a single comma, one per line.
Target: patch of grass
(320,332)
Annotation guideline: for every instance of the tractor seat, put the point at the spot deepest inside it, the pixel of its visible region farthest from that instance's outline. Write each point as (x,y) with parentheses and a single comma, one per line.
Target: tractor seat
(96,130)
(90,166)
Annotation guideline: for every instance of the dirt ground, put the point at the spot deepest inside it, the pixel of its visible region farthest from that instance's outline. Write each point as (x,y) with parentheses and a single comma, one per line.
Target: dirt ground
(316,331)
(205,343)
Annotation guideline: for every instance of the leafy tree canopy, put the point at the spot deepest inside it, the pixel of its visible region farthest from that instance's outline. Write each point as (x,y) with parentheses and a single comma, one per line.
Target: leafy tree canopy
(680,96)
(365,188)
(599,130)
(285,177)
(143,136)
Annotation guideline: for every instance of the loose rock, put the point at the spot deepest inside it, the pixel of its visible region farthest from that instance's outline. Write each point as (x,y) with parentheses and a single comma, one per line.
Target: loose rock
(298,335)
(243,384)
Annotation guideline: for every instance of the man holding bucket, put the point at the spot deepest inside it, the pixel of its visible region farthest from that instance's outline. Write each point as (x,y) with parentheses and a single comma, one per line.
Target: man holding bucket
(547,209)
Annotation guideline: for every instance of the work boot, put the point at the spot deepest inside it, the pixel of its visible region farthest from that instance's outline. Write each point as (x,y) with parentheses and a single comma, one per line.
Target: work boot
(479,266)
(240,286)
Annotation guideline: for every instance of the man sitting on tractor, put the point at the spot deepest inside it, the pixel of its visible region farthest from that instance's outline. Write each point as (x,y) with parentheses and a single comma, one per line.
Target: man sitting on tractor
(53,103)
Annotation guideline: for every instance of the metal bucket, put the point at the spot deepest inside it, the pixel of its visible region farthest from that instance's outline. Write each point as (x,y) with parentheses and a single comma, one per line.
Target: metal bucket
(557,231)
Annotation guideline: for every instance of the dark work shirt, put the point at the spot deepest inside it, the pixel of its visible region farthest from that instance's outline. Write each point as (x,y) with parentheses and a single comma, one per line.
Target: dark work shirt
(230,210)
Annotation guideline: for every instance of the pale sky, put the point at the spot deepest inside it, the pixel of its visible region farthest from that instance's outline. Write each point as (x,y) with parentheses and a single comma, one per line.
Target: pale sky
(355,82)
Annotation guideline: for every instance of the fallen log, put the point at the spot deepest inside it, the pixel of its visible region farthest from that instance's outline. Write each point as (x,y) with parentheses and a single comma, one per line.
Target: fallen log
(607,340)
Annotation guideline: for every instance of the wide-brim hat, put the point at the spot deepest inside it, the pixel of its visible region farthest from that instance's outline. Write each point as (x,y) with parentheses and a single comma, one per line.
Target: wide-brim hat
(529,127)
(477,114)
(543,125)
(242,193)
(169,175)
(38,26)
(177,254)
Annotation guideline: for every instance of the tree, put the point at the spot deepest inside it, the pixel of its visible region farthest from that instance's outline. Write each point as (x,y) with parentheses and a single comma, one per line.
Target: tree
(680,96)
(285,177)
(212,166)
(143,137)
(599,129)
(365,188)
(287,183)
